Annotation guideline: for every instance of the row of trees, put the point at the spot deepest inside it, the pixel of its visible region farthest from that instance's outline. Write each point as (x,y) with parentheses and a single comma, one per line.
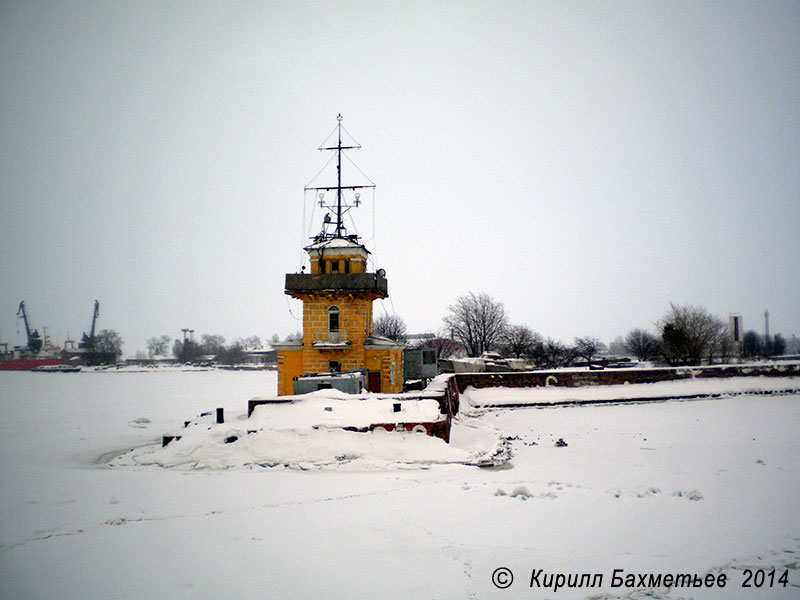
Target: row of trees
(686,335)
(477,323)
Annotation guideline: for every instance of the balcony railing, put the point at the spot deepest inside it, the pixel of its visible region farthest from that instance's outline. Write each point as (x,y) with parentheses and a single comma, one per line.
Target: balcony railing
(337,282)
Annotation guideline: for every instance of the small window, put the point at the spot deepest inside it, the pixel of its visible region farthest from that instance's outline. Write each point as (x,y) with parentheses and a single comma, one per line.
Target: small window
(322,266)
(347,266)
(428,357)
(334,266)
(333,319)
(334,366)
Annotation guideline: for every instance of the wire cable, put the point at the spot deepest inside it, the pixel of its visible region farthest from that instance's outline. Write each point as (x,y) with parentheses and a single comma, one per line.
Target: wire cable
(325,141)
(357,143)
(352,162)
(325,166)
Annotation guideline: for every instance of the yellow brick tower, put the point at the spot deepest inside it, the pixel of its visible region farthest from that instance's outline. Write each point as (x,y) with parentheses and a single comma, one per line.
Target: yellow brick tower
(337,296)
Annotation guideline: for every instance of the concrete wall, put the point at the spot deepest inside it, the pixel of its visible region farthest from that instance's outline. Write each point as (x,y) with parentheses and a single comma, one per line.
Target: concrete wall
(461,381)
(616,376)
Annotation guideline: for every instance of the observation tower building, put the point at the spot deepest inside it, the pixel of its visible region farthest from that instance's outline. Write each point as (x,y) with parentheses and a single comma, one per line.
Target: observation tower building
(337,295)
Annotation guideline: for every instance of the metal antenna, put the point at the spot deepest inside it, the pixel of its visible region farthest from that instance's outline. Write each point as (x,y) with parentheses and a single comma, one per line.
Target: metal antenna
(342,206)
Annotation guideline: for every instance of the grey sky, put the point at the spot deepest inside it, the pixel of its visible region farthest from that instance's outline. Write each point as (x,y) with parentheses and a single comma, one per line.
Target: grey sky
(584,163)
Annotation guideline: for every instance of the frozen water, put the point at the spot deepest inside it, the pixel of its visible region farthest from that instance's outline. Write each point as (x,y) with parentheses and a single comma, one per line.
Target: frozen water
(671,487)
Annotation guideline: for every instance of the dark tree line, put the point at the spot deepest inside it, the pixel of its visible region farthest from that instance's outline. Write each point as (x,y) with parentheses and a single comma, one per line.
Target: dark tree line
(759,346)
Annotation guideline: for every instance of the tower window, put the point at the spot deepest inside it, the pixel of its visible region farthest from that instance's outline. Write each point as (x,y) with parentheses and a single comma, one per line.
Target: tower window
(333,319)
(322,266)
(334,266)
(347,266)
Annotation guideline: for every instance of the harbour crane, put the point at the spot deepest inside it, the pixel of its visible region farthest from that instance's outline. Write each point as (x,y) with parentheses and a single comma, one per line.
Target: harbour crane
(87,341)
(34,340)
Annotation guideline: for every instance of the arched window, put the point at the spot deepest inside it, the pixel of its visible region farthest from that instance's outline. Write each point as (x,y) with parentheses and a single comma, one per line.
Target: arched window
(333,319)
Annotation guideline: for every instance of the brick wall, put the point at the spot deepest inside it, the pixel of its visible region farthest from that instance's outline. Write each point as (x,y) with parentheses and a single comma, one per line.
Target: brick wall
(355,323)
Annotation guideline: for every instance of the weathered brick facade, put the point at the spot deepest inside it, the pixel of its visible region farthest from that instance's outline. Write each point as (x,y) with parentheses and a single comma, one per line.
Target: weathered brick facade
(355,324)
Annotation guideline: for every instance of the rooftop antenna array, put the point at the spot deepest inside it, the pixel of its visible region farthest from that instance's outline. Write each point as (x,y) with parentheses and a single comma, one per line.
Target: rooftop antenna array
(341,203)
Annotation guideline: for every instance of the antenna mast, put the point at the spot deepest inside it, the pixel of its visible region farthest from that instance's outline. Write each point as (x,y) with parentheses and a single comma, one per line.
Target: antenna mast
(342,205)
(339,178)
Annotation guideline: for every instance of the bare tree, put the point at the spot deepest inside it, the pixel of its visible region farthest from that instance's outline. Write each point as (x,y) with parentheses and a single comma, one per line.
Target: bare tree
(551,354)
(234,354)
(759,346)
(617,347)
(108,342)
(252,343)
(688,333)
(519,341)
(777,345)
(587,347)
(157,346)
(211,343)
(186,351)
(642,344)
(477,321)
(720,346)
(392,327)
(752,345)
(446,347)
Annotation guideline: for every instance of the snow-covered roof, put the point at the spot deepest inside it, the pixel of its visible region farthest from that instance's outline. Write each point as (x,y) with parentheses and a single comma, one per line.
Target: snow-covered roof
(295,344)
(337,243)
(381,342)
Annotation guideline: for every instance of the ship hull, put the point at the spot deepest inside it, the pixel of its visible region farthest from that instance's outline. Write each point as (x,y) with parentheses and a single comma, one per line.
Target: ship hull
(26,364)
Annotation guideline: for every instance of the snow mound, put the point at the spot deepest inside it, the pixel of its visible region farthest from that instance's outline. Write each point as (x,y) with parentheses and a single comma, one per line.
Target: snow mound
(252,443)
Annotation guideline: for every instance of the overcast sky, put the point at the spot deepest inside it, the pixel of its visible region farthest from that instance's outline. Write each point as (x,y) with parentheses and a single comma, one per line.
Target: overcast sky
(585,163)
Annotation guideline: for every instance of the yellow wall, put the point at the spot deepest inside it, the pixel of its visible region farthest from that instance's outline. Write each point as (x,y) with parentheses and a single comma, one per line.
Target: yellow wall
(355,324)
(290,366)
(387,361)
(357,263)
(390,364)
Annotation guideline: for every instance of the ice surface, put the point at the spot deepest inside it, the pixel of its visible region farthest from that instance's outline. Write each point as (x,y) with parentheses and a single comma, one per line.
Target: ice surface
(691,486)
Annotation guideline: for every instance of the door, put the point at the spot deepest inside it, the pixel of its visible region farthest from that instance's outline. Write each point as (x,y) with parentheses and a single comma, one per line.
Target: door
(374,381)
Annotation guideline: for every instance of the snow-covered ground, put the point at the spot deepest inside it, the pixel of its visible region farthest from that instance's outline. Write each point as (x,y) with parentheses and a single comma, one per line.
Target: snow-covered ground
(702,486)
(661,389)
